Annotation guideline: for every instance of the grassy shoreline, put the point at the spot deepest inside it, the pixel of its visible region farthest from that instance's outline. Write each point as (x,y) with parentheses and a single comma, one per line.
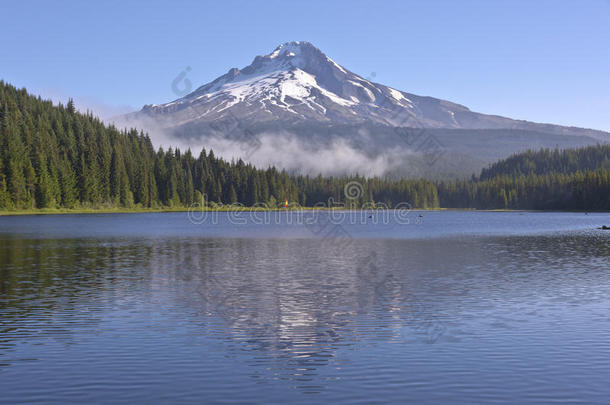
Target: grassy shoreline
(74,211)
(60,211)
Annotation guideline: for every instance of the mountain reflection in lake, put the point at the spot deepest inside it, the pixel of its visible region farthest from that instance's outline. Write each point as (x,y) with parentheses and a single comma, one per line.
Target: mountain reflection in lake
(122,317)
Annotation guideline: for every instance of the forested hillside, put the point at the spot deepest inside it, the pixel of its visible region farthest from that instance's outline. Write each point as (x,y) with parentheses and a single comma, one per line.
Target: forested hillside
(52,156)
(588,191)
(572,179)
(544,161)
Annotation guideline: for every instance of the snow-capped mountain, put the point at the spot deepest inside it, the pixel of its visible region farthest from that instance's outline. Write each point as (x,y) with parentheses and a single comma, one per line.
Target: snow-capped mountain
(298,92)
(297,82)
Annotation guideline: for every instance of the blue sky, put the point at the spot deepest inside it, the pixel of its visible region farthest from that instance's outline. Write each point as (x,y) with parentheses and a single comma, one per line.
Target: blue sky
(545,61)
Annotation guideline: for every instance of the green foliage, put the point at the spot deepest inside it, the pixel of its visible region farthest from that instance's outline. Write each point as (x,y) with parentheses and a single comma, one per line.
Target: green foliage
(573,179)
(52,156)
(546,161)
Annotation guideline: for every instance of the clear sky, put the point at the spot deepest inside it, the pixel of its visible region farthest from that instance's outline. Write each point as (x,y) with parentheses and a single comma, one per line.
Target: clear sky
(545,61)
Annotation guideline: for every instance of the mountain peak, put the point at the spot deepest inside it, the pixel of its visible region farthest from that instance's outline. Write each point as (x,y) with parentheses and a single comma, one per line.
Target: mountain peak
(296,90)
(297,82)
(289,56)
(294,48)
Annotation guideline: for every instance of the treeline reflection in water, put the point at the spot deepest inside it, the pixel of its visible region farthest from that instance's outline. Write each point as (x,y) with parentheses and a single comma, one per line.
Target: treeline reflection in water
(286,309)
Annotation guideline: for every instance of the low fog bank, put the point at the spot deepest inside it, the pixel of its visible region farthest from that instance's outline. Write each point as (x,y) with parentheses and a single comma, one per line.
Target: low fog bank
(321,154)
(367,150)
(297,155)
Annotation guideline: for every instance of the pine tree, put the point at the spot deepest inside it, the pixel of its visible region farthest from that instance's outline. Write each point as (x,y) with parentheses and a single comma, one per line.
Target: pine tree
(232,195)
(68,182)
(5,200)
(116,176)
(14,155)
(30,178)
(70,107)
(189,188)
(44,192)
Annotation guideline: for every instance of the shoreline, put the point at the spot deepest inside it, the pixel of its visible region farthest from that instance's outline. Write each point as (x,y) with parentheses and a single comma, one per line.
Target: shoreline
(84,211)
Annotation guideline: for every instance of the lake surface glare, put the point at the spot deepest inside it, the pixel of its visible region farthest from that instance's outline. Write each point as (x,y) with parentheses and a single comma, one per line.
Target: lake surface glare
(450,307)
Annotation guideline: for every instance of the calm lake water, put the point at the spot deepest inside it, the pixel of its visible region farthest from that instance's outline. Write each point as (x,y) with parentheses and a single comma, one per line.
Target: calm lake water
(451,307)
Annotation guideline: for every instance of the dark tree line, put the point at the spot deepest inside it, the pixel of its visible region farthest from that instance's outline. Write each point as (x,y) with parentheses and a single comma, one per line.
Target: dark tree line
(572,179)
(367,192)
(52,156)
(546,161)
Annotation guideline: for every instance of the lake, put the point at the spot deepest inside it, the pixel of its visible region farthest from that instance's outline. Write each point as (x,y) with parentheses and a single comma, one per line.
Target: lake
(305,307)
